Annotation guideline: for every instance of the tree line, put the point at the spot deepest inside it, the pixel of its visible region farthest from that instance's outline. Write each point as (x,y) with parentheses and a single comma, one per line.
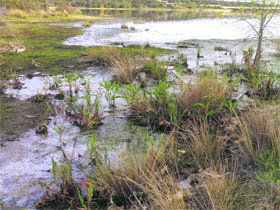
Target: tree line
(29,4)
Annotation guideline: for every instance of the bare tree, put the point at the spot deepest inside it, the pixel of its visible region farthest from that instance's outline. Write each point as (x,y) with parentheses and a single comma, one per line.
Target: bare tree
(264,11)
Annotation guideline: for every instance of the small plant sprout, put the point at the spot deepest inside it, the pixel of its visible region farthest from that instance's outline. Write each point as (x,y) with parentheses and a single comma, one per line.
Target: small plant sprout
(180,70)
(207,112)
(111,91)
(57,82)
(132,91)
(77,77)
(87,114)
(158,70)
(198,52)
(70,78)
(59,131)
(92,151)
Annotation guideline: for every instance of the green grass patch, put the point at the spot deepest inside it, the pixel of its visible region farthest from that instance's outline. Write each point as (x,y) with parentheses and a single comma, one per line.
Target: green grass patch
(45,51)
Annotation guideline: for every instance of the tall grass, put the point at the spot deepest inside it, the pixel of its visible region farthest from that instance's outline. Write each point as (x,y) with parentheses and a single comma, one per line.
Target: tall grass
(216,190)
(259,131)
(207,96)
(123,66)
(205,146)
(144,181)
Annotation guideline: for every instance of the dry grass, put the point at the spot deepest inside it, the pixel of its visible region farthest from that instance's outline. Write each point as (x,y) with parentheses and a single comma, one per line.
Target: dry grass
(142,111)
(124,66)
(144,181)
(259,130)
(206,147)
(216,190)
(18,13)
(207,90)
(100,56)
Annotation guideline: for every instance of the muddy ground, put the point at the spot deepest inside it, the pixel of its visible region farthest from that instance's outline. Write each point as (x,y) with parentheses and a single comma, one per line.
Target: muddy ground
(17,117)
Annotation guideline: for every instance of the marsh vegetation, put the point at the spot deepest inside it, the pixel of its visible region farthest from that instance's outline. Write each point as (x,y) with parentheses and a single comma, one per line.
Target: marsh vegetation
(116,114)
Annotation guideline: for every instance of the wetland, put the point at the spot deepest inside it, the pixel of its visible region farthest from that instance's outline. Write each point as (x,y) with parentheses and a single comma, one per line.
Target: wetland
(155,109)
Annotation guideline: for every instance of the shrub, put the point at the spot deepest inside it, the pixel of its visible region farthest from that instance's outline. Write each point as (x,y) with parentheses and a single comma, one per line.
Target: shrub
(63,8)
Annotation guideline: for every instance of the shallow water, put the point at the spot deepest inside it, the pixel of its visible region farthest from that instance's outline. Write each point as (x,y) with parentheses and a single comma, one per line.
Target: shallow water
(26,162)
(165,33)
(232,34)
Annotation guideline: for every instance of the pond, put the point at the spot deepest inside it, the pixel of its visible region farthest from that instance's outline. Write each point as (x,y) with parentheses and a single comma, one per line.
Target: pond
(183,34)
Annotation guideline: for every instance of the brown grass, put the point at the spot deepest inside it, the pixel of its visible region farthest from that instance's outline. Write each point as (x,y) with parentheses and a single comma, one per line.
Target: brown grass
(124,66)
(208,89)
(144,181)
(259,130)
(18,13)
(216,190)
(206,147)
(100,56)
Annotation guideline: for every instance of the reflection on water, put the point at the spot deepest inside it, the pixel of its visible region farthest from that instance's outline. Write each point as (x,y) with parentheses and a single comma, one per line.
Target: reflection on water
(154,15)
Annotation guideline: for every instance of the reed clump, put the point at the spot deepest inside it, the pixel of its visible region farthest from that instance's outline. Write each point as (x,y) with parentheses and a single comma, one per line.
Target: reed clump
(123,65)
(205,99)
